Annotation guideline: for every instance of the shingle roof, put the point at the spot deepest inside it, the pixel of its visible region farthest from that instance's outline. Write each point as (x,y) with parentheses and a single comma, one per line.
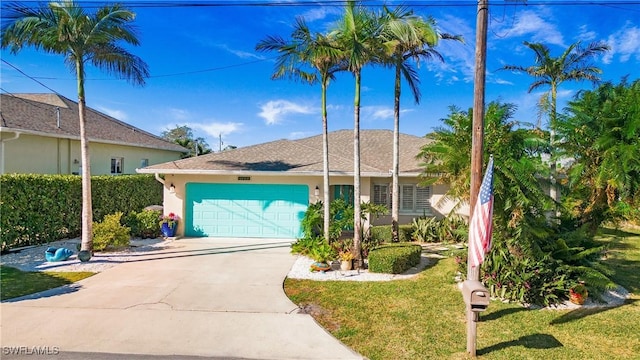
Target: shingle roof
(37,114)
(304,156)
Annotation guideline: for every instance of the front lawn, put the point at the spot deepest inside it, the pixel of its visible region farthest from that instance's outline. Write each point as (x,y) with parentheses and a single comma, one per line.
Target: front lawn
(424,318)
(15,283)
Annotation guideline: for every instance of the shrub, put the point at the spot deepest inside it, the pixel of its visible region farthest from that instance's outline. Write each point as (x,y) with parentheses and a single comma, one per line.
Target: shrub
(323,253)
(144,224)
(451,229)
(304,245)
(394,258)
(40,208)
(382,233)
(110,234)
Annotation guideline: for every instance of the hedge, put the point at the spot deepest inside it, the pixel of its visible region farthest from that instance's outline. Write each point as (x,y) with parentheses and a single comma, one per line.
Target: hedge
(394,258)
(382,233)
(38,209)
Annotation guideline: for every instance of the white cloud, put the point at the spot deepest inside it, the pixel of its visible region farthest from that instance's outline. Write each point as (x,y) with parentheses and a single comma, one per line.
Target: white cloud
(320,13)
(379,112)
(586,35)
(532,24)
(624,43)
(273,111)
(116,114)
(240,53)
(459,57)
(178,114)
(215,129)
(300,134)
(502,82)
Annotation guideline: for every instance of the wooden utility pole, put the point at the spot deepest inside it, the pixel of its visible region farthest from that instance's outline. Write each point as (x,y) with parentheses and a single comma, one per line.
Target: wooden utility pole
(477,148)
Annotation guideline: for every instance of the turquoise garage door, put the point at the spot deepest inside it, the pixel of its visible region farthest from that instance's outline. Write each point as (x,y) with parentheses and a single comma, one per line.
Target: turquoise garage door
(245,210)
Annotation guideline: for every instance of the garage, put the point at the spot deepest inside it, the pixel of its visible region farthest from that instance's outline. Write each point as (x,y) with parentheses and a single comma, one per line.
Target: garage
(245,210)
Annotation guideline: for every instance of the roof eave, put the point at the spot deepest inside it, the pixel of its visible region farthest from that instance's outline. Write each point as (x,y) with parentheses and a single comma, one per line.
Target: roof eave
(74,137)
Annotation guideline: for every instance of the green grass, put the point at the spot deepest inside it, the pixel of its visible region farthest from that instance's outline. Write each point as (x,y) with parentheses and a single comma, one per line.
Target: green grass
(15,283)
(424,318)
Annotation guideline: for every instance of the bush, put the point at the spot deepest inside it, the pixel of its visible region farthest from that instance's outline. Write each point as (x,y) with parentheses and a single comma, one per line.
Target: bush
(451,229)
(394,258)
(110,234)
(305,245)
(383,233)
(144,224)
(39,208)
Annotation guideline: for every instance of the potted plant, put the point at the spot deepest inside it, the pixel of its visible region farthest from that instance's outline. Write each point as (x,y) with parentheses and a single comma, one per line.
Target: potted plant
(346,260)
(169,224)
(578,294)
(321,253)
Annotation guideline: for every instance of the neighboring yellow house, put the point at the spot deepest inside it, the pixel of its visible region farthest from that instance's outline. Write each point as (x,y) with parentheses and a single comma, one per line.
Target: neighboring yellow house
(40,134)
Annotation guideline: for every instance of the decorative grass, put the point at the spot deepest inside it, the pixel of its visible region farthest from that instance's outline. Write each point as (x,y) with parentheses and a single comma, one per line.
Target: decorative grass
(16,283)
(424,318)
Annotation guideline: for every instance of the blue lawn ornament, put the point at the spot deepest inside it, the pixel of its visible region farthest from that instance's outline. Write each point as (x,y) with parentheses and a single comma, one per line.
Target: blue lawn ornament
(52,254)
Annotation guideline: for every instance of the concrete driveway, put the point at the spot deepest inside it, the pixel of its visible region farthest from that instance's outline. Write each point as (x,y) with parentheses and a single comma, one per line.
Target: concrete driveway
(197,297)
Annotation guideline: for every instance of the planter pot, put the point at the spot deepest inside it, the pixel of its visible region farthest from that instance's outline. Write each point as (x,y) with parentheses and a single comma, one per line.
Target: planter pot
(84,256)
(168,231)
(577,299)
(345,265)
(318,266)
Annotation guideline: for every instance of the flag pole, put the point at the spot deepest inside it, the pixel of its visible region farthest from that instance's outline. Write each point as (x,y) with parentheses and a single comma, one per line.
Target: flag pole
(473,273)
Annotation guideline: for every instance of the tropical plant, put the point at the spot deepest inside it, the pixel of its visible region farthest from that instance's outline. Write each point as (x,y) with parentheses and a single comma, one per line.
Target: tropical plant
(600,132)
(520,230)
(110,233)
(572,65)
(357,35)
(144,224)
(183,136)
(311,58)
(406,38)
(65,28)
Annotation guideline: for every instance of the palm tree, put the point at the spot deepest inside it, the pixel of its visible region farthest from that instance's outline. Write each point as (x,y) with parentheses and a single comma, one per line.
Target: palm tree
(65,28)
(357,33)
(406,37)
(317,52)
(601,133)
(572,65)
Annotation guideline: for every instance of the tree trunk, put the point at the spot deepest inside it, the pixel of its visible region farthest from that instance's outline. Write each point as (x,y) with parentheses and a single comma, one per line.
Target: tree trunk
(553,189)
(395,196)
(357,225)
(325,158)
(87,212)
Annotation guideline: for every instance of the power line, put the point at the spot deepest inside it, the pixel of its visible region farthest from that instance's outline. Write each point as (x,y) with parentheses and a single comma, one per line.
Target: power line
(31,77)
(312,3)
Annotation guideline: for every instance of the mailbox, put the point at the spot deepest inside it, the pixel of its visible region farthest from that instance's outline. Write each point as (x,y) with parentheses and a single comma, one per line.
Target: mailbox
(475,295)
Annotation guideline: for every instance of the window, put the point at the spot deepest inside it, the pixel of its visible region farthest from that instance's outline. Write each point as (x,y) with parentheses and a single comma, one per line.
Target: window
(344,192)
(144,163)
(117,164)
(415,199)
(381,195)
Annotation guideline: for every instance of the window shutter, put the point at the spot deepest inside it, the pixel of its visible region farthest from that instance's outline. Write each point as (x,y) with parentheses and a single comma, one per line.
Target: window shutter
(423,199)
(407,197)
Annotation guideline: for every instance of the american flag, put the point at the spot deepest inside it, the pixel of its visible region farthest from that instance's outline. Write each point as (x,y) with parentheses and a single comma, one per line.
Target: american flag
(481,220)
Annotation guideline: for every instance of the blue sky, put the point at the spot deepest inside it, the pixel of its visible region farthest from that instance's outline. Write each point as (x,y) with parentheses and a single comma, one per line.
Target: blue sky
(206,73)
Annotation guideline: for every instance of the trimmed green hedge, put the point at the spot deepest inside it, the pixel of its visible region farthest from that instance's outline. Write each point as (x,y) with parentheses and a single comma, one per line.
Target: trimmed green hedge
(382,233)
(394,258)
(37,208)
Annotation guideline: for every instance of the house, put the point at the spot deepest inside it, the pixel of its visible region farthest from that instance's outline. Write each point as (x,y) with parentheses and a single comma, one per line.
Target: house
(40,133)
(264,190)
